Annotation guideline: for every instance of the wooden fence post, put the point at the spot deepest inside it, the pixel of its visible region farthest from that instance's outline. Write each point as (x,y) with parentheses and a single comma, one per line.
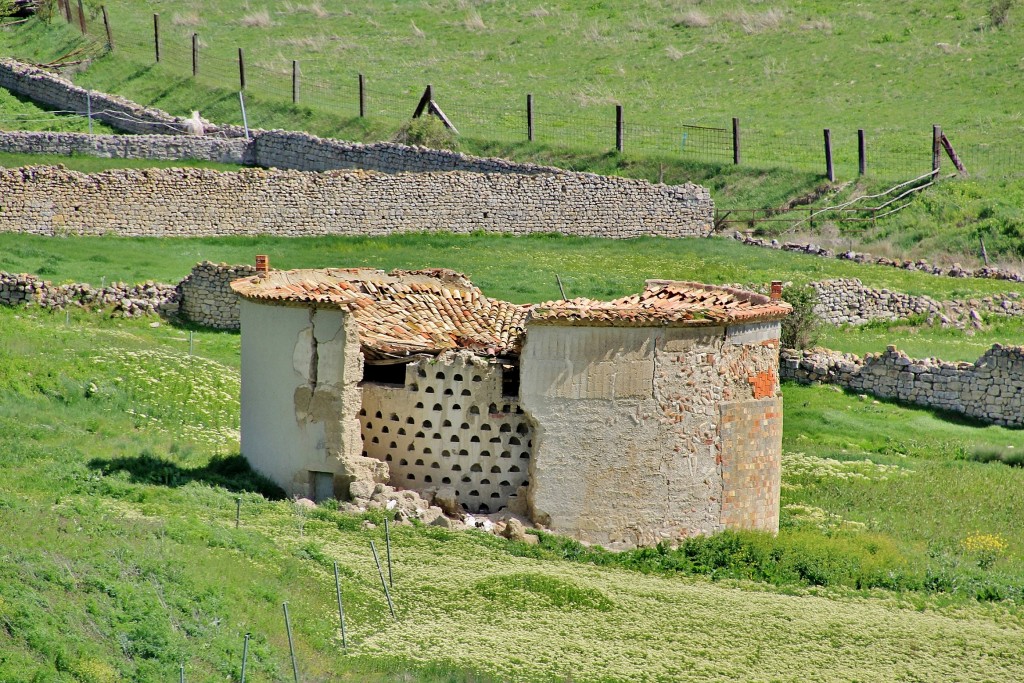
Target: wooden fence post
(81,16)
(156,36)
(830,171)
(362,96)
(936,149)
(295,82)
(241,69)
(529,117)
(862,153)
(618,127)
(195,55)
(735,141)
(106,25)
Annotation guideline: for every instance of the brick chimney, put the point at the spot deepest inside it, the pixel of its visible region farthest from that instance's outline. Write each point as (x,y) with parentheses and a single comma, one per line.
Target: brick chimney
(262,263)
(776,289)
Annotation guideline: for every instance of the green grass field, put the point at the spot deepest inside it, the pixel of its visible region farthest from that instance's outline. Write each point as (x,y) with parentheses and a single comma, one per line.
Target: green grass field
(122,559)
(787,71)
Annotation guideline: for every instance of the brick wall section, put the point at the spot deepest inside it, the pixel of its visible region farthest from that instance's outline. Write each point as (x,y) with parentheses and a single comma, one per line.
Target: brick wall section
(991,389)
(751,434)
(163,147)
(200,202)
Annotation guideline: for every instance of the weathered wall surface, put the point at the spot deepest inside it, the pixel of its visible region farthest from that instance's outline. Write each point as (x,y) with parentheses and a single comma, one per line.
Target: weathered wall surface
(164,147)
(201,202)
(990,389)
(206,296)
(449,425)
(628,441)
(300,398)
(849,302)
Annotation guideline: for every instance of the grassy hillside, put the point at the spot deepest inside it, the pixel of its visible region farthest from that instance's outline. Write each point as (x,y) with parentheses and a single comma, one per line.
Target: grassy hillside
(786,70)
(123,560)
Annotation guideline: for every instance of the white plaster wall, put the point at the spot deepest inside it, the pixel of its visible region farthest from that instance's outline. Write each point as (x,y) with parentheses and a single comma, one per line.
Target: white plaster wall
(299,406)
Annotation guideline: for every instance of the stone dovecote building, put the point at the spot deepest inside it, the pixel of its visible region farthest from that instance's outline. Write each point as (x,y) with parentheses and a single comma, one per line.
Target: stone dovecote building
(652,417)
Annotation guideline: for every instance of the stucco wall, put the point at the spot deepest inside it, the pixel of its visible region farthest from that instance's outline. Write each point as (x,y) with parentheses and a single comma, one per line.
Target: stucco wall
(300,397)
(202,202)
(627,428)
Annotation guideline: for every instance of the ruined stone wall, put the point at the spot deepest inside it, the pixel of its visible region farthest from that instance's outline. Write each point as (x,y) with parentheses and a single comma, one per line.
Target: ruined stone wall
(124,300)
(991,389)
(629,447)
(849,302)
(202,202)
(206,296)
(161,147)
(449,425)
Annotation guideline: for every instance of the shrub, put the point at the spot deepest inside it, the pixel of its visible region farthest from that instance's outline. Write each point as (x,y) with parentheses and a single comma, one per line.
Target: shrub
(999,12)
(801,327)
(426,131)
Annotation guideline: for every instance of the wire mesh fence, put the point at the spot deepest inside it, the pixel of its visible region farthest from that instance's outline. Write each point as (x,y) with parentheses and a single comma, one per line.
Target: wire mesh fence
(276,80)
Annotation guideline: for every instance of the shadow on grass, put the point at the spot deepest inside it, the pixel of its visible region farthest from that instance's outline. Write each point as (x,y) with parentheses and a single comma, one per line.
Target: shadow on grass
(229,472)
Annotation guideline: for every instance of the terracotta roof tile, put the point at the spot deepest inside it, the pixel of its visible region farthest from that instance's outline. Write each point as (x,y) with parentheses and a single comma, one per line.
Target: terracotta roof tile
(428,311)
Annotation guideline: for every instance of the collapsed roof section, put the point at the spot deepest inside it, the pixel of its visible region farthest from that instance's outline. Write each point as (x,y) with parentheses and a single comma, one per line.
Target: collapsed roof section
(665,302)
(402,313)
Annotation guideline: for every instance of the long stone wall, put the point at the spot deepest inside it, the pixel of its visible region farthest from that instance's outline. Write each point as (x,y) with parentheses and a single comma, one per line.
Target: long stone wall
(991,389)
(124,300)
(163,147)
(200,202)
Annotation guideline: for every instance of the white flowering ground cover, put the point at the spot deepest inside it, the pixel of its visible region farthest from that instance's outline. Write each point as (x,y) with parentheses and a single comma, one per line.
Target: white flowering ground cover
(120,558)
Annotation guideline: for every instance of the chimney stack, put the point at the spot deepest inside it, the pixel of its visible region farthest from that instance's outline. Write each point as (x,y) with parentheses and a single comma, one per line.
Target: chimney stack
(262,263)
(776,290)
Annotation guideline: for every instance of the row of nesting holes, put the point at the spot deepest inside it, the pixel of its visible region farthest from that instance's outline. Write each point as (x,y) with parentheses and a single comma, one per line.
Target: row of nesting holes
(437,407)
(523,455)
(457,377)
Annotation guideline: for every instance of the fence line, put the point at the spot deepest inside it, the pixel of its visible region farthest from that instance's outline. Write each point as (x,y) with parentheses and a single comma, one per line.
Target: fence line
(271,82)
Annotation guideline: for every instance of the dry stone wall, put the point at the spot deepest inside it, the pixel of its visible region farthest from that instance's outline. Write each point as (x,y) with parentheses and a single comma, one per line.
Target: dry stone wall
(849,302)
(126,300)
(51,90)
(163,147)
(991,389)
(206,296)
(200,202)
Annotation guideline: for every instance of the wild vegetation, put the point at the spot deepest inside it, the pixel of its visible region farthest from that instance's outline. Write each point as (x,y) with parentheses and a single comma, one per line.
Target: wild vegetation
(123,559)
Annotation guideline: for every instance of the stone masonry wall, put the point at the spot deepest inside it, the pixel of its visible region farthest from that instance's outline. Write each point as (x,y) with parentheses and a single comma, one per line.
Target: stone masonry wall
(166,147)
(201,202)
(125,300)
(991,389)
(206,295)
(849,302)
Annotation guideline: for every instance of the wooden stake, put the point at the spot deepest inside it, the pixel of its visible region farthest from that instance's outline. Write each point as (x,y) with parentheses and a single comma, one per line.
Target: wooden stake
(241,69)
(736,141)
(936,149)
(618,127)
(529,117)
(81,16)
(156,36)
(106,25)
(830,171)
(295,82)
(195,55)
(862,155)
(362,96)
